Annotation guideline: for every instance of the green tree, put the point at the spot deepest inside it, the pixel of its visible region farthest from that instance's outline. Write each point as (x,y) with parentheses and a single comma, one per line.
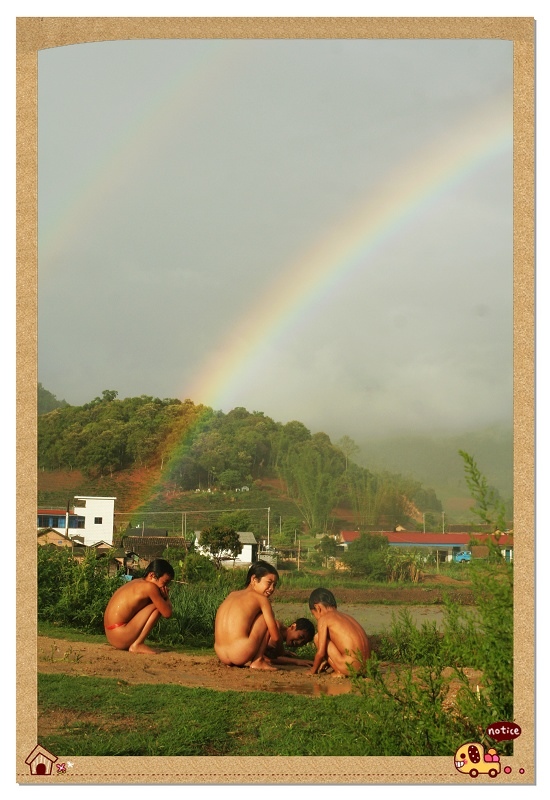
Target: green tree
(198,569)
(488,505)
(47,401)
(311,471)
(328,548)
(236,520)
(367,556)
(291,530)
(176,557)
(222,542)
(230,479)
(348,447)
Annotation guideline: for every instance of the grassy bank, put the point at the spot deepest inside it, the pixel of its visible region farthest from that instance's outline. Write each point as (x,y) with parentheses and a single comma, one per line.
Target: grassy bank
(102,717)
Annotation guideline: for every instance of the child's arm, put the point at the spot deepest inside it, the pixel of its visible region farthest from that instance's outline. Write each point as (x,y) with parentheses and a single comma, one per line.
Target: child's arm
(271,622)
(322,645)
(276,648)
(160,599)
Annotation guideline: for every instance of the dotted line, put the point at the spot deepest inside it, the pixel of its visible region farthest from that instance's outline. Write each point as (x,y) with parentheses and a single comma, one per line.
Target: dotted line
(233,775)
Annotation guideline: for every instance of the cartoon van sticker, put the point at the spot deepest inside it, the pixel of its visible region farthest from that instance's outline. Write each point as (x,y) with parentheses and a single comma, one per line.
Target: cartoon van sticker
(472,759)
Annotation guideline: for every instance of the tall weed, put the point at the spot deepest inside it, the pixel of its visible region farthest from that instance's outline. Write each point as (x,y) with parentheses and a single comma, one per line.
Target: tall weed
(405,713)
(72,593)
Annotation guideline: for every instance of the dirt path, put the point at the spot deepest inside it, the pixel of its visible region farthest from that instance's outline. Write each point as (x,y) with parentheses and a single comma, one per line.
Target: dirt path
(195,671)
(198,671)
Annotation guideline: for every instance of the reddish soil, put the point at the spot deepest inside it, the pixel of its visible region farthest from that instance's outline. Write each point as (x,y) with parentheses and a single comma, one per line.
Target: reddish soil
(196,671)
(59,480)
(129,486)
(432,589)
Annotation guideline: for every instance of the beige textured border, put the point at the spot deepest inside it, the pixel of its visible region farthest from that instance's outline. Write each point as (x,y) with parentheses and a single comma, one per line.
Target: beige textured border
(37,33)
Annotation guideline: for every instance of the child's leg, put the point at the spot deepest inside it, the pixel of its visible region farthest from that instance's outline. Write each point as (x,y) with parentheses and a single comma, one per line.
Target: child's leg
(259,660)
(340,661)
(138,646)
(251,648)
(131,636)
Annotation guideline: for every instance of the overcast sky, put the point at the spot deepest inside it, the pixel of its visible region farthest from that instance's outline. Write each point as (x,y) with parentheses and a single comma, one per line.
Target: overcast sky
(319,230)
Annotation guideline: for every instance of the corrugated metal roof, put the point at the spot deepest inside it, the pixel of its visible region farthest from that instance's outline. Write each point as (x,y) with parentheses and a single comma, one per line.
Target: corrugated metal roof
(153,541)
(245,537)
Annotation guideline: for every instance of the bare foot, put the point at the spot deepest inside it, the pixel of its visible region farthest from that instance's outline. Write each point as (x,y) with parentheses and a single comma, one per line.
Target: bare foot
(263,663)
(339,675)
(141,648)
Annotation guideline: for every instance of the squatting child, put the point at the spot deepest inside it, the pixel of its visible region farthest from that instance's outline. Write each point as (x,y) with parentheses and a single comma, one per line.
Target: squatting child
(340,640)
(245,622)
(135,607)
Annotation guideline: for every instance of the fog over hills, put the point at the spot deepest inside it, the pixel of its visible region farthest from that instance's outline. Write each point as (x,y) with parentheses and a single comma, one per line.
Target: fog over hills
(435,461)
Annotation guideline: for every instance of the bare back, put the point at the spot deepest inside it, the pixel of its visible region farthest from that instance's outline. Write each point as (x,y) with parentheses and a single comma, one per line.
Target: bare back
(236,616)
(131,598)
(346,634)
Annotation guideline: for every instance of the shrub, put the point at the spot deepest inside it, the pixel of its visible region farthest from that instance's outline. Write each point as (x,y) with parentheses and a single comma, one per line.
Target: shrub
(367,556)
(72,593)
(405,714)
(198,569)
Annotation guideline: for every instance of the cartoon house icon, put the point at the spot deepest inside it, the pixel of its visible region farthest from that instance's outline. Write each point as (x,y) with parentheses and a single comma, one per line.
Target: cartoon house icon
(40,761)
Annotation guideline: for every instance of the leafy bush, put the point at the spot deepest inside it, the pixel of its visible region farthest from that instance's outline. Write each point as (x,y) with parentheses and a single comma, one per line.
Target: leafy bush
(73,593)
(198,569)
(367,556)
(417,698)
(408,644)
(406,714)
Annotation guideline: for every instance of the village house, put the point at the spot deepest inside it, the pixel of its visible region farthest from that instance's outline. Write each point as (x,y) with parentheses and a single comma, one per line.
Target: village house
(246,557)
(92,517)
(51,536)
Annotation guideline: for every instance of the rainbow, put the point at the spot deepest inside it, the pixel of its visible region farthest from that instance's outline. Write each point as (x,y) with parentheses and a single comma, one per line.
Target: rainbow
(310,278)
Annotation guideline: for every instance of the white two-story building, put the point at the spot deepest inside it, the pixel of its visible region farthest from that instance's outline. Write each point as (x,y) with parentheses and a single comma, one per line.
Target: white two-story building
(91,517)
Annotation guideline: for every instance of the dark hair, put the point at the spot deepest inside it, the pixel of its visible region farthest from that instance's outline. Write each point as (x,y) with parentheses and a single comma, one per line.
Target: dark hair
(159,567)
(323,596)
(303,624)
(259,569)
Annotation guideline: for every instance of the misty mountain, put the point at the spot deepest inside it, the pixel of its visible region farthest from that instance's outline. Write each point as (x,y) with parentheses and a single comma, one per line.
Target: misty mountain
(435,460)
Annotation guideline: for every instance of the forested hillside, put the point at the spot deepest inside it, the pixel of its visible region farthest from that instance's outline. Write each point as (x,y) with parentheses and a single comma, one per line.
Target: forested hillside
(194,448)
(48,401)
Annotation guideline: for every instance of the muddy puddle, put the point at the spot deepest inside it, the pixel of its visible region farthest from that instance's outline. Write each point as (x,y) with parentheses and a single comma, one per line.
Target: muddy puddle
(314,689)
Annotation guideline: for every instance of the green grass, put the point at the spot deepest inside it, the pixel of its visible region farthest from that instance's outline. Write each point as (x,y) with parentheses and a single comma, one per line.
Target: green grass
(92,717)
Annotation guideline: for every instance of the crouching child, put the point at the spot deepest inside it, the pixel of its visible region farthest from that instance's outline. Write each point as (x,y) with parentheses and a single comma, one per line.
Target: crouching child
(341,642)
(137,606)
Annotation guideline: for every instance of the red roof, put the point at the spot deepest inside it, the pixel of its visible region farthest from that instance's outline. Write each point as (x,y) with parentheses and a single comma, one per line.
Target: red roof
(418,538)
(57,512)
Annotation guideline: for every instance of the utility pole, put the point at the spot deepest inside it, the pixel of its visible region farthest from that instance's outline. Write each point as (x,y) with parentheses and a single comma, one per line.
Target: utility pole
(424,522)
(268,511)
(443,518)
